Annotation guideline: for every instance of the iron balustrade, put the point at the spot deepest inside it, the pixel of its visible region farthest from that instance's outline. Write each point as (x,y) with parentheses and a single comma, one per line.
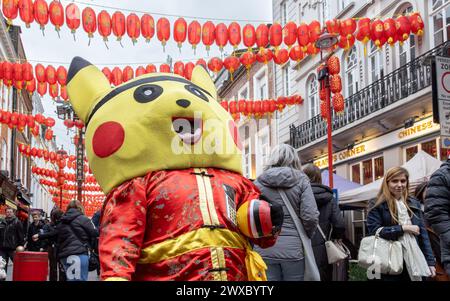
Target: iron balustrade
(397,85)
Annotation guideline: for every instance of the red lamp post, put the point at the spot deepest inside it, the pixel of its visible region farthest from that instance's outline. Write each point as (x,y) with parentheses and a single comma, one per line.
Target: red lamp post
(326,42)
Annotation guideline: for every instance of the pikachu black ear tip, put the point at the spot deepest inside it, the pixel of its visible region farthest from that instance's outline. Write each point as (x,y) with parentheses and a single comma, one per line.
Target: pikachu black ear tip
(76,65)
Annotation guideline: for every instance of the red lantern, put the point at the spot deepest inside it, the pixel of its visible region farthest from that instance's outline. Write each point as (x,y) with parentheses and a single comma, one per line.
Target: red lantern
(73,17)
(221,36)
(324,107)
(249,36)
(42,88)
(333,26)
(54,90)
(363,33)
(178,68)
(334,66)
(224,105)
(234,34)
(290,34)
(39,119)
(262,36)
(163,31)
(50,75)
(164,68)
(56,12)
(7,73)
(69,123)
(276,35)
(17,71)
(26,11)
(208,34)
(194,34)
(89,21)
(140,71)
(61,75)
(338,103)
(257,109)
(64,95)
(79,124)
(314,31)
(303,36)
(40,73)
(118,25)
(296,53)
(201,62)
(345,43)
(117,77)
(40,10)
(390,31)
(150,68)
(403,28)
(180,32)
(18,84)
(147,27)
(242,106)
(335,83)
(377,32)
(281,103)
(348,27)
(215,64)
(249,107)
(27,72)
(133,27)
(231,63)
(127,74)
(312,49)
(31,86)
(417,25)
(107,73)
(281,57)
(247,59)
(104,25)
(264,55)
(48,134)
(188,68)
(10,10)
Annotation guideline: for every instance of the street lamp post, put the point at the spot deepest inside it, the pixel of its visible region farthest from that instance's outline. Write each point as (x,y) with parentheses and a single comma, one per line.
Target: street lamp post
(326,42)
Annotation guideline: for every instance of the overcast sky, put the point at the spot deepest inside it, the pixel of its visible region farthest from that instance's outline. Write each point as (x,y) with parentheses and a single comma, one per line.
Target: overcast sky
(50,49)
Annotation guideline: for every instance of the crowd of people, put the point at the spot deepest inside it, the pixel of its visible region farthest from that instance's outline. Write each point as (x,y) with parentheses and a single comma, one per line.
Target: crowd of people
(419,221)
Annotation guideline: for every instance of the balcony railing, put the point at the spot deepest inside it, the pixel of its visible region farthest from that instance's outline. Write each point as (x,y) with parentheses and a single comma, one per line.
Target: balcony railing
(399,84)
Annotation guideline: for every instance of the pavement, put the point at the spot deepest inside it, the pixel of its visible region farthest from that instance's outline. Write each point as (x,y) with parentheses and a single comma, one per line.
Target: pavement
(91,277)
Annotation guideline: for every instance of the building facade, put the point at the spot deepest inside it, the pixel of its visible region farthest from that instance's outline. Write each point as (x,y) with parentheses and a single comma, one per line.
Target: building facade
(388,99)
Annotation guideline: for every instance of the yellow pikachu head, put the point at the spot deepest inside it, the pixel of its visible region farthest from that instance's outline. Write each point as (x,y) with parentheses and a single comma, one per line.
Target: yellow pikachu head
(156,121)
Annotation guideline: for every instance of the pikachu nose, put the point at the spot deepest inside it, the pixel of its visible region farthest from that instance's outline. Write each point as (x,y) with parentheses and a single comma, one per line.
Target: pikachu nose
(183,103)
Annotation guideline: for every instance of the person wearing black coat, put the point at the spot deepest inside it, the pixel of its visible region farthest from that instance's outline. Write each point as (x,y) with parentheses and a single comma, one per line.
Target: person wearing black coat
(401,219)
(330,220)
(437,209)
(11,236)
(35,227)
(75,235)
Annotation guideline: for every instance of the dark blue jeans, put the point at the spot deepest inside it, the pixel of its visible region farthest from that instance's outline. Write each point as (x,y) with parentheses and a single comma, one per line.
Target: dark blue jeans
(289,270)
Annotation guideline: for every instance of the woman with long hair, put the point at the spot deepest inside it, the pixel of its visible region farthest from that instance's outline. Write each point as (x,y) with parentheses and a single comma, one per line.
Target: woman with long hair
(287,259)
(401,219)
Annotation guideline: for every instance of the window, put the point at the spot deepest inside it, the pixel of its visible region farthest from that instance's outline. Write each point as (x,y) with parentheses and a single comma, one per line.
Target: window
(261,87)
(343,4)
(314,103)
(283,12)
(243,93)
(351,72)
(375,62)
(407,50)
(286,80)
(263,147)
(430,147)
(367,171)
(323,12)
(440,20)
(4,159)
(247,162)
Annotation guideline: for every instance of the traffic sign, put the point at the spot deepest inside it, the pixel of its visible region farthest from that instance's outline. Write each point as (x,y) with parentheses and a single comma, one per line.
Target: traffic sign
(443,96)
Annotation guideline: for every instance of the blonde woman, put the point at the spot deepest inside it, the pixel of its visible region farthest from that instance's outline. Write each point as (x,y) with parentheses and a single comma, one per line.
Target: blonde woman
(401,218)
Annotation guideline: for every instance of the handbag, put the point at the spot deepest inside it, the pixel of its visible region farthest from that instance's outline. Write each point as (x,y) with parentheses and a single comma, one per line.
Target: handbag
(386,256)
(335,251)
(94,260)
(311,269)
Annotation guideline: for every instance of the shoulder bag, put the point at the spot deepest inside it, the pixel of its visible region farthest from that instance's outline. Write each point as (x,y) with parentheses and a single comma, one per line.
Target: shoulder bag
(335,250)
(311,270)
(386,256)
(94,261)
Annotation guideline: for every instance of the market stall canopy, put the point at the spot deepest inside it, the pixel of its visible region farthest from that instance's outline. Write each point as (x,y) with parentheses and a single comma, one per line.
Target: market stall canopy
(340,183)
(420,168)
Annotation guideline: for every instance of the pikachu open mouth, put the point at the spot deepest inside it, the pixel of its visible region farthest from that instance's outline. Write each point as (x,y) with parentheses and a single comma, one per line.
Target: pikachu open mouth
(189,130)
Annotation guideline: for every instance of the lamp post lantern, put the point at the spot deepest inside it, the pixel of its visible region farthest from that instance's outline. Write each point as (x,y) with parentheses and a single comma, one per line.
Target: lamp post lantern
(326,42)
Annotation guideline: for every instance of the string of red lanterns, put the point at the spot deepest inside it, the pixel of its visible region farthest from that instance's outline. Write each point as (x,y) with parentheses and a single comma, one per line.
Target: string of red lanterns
(20,121)
(390,30)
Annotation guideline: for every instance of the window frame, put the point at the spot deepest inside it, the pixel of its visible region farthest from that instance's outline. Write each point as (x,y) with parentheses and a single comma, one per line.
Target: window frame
(361,171)
(261,77)
(353,71)
(445,26)
(314,97)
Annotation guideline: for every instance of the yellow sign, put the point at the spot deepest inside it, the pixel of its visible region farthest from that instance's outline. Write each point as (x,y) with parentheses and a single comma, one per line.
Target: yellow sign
(416,129)
(11,204)
(342,156)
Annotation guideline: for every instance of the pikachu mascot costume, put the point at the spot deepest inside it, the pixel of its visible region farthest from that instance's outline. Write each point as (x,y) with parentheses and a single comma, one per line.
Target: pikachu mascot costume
(168,157)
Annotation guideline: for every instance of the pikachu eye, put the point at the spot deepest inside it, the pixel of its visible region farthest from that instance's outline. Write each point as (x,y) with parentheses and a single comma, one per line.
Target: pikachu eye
(147,93)
(197,92)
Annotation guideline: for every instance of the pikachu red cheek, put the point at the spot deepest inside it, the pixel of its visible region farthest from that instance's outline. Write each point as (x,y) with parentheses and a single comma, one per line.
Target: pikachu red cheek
(108,138)
(235,134)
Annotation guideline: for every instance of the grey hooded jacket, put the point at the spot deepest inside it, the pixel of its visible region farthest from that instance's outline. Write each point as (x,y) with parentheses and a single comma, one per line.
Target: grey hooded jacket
(297,187)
